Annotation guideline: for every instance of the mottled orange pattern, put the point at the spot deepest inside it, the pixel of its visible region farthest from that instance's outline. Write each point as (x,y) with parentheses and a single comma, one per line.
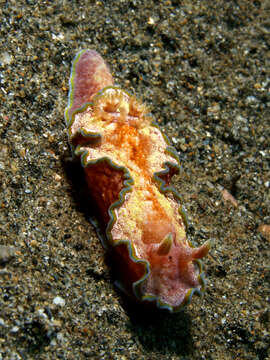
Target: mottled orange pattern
(128,165)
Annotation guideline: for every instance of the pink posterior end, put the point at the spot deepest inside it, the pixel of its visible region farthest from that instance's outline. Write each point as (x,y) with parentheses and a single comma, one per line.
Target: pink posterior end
(89,75)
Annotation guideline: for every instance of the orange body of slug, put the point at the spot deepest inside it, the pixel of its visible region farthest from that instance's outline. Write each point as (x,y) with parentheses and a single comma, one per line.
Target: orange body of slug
(128,165)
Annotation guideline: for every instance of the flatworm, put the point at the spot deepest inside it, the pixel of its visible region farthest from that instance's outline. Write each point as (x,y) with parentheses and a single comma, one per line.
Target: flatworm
(128,165)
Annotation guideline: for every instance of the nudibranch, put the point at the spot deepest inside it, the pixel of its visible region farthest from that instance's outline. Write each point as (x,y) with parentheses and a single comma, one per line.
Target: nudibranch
(128,165)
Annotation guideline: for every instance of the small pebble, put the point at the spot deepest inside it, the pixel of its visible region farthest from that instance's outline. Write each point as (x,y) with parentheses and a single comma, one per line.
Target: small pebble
(58,300)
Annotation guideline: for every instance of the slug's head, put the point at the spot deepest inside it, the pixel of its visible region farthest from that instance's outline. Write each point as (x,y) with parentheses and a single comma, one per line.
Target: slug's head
(175,270)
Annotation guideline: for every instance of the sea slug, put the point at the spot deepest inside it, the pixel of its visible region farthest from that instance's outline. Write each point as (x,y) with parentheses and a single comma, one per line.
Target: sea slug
(128,165)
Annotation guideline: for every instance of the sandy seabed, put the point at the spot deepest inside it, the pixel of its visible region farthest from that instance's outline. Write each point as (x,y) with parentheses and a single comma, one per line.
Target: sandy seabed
(204,69)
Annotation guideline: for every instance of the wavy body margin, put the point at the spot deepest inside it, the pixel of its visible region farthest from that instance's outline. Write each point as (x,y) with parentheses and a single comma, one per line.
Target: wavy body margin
(128,183)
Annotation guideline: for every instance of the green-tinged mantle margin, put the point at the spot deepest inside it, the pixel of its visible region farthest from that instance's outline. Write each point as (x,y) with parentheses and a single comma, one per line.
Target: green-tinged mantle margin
(91,137)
